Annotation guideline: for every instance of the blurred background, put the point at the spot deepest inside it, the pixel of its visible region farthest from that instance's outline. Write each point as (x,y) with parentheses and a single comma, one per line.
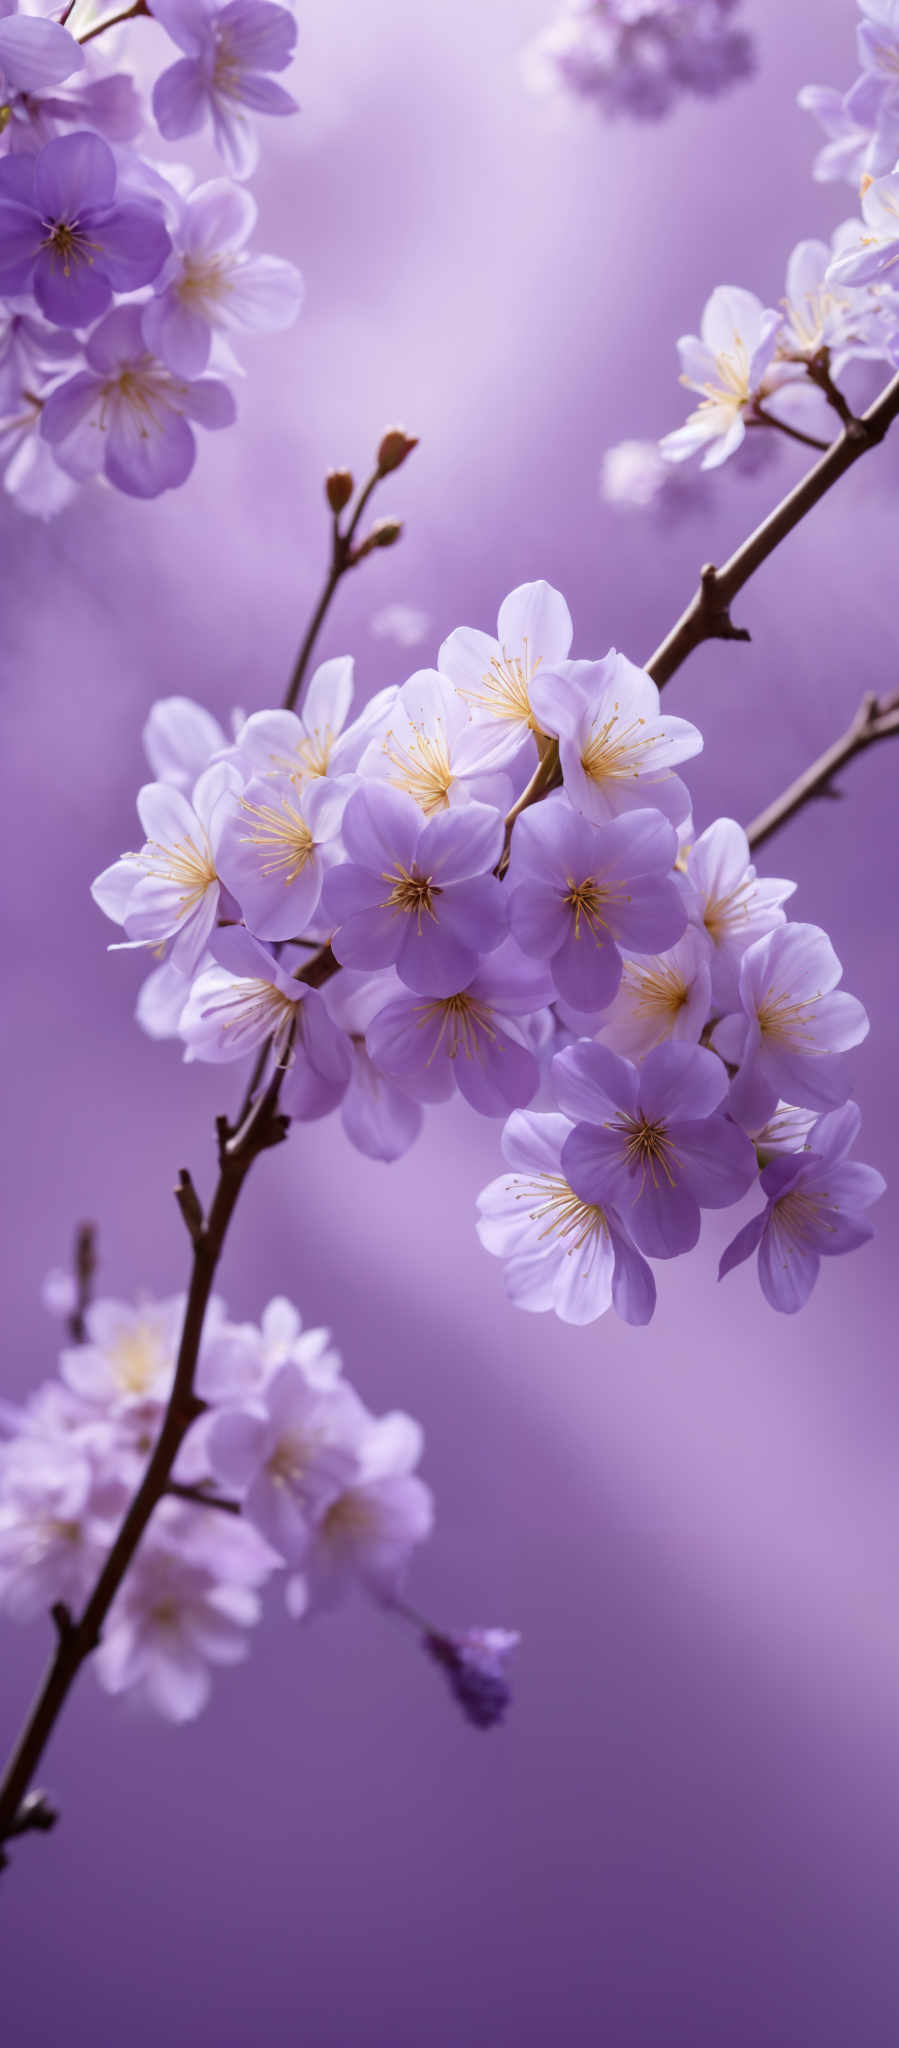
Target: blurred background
(687,1832)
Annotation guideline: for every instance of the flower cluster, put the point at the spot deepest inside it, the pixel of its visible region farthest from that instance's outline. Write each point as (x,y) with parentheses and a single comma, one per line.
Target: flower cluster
(121,282)
(862,125)
(638,57)
(297,1474)
(341,899)
(754,366)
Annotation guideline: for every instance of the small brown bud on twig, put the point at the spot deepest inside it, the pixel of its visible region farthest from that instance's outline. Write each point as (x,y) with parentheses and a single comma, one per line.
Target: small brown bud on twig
(396,444)
(384,534)
(339,489)
(189,1204)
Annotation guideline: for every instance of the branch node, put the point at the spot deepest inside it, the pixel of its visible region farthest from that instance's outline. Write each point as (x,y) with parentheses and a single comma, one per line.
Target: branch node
(35,1815)
(62,1620)
(190,1206)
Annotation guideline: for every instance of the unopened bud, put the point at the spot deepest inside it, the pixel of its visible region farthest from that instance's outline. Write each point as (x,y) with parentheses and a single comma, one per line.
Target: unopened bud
(474,1665)
(339,489)
(384,534)
(396,444)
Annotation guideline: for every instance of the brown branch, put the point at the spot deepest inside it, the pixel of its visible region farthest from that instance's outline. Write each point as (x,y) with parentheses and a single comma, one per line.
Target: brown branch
(707,617)
(128,14)
(77,1638)
(84,1263)
(874,720)
(345,555)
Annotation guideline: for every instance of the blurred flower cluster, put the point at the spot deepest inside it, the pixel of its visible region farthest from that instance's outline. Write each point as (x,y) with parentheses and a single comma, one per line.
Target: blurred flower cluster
(341,899)
(121,280)
(638,57)
(305,1480)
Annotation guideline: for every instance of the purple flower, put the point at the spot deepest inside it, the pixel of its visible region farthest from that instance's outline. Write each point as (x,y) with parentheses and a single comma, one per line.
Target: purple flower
(228,53)
(128,415)
(649,1141)
(862,127)
(30,351)
(368,1532)
(170,890)
(276,847)
(579,890)
(732,364)
(662,995)
(321,1066)
(815,1203)
(873,254)
(210,284)
(475,1666)
(180,739)
(290,1453)
(241,1002)
(379,1117)
(616,748)
(431,748)
(477,1037)
(34,53)
(561,1253)
(418,894)
(493,677)
(316,742)
(63,235)
(730,902)
(794,1025)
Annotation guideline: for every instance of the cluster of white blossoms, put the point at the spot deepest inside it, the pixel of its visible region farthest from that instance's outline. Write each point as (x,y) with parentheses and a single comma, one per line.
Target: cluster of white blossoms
(300,1478)
(366,908)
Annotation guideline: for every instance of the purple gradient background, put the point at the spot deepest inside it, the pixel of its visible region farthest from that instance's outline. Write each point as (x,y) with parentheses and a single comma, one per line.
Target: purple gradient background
(688,1830)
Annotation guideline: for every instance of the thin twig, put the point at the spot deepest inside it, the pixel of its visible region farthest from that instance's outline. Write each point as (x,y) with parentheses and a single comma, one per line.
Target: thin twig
(707,617)
(761,418)
(343,558)
(84,1263)
(128,14)
(201,1499)
(875,719)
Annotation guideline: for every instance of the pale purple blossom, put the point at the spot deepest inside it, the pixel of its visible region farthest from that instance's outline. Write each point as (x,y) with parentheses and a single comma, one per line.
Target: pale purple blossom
(861,126)
(431,748)
(661,996)
(106,102)
(320,1066)
(493,677)
(288,1455)
(170,890)
(816,1200)
(317,742)
(793,1027)
(277,843)
(729,902)
(224,74)
(189,1598)
(128,415)
(731,363)
(579,892)
(128,1357)
(180,739)
(65,234)
(244,1000)
(636,57)
(211,284)
(560,1252)
(240,1359)
(30,473)
(34,53)
(378,1115)
(476,1038)
(416,893)
(651,1140)
(617,748)
(819,313)
(368,1532)
(51,1542)
(873,255)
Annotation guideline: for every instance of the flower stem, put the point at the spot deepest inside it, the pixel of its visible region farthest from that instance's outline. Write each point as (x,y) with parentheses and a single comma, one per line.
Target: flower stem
(342,559)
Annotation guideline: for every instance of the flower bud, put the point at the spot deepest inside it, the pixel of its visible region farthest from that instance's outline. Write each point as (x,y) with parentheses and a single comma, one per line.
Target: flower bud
(395,446)
(338,489)
(384,534)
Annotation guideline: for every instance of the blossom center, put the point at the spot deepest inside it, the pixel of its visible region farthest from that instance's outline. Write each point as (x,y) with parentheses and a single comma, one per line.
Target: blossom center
(188,866)
(613,751)
(561,1211)
(504,692)
(465,1024)
(136,1359)
(586,899)
(785,1022)
(799,1218)
(722,913)
(283,835)
(348,1520)
(423,767)
(204,281)
(68,244)
(254,1002)
(647,1149)
(656,992)
(411,895)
